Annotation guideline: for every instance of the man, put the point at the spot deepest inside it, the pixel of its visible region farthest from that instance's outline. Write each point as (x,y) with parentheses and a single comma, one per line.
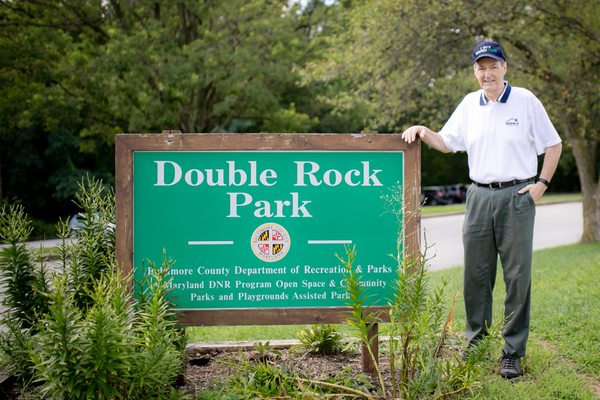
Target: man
(503,129)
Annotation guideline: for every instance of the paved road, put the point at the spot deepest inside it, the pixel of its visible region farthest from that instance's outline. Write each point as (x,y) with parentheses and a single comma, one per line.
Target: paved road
(555,225)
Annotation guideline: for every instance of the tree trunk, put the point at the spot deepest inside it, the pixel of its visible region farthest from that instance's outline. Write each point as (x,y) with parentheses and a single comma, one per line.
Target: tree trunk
(0,177)
(584,153)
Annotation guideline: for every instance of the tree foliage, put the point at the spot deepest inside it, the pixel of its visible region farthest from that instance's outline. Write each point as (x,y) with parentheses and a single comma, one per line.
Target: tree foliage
(412,63)
(76,72)
(73,73)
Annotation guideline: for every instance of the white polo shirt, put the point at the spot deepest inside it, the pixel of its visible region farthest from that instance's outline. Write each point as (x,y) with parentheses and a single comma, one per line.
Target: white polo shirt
(502,138)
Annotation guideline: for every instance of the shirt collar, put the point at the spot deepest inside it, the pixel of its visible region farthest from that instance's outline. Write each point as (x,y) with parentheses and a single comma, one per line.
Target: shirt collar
(503,96)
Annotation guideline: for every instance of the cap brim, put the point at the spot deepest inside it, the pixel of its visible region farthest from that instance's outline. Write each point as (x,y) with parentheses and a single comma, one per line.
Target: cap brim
(495,57)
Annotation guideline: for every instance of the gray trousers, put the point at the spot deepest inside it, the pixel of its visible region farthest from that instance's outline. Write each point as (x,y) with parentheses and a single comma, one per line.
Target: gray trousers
(498,222)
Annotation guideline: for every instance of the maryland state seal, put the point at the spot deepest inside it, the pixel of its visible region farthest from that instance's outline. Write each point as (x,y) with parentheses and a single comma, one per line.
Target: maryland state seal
(270,242)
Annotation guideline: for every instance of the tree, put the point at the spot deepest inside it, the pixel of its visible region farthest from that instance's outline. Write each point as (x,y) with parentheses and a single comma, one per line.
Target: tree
(412,63)
(38,148)
(73,73)
(559,48)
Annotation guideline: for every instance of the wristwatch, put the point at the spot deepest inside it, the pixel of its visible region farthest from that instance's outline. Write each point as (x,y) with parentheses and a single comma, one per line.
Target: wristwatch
(544,181)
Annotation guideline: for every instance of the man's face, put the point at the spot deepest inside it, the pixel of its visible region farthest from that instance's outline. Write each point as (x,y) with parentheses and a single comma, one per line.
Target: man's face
(490,76)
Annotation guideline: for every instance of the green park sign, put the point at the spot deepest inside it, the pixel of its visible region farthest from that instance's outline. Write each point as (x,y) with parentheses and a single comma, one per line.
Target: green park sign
(254,222)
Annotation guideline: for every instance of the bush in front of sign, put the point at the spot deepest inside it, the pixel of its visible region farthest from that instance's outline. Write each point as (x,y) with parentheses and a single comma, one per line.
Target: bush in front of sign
(361,321)
(75,332)
(112,349)
(419,363)
(321,339)
(24,283)
(265,352)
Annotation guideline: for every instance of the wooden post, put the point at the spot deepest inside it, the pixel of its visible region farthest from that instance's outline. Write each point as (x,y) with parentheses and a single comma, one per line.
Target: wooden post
(366,362)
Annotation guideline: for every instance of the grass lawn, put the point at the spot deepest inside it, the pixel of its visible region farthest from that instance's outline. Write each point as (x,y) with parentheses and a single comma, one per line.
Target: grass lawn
(563,360)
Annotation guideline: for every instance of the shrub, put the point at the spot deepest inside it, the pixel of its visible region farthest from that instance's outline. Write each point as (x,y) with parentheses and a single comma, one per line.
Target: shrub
(417,333)
(94,251)
(321,339)
(112,349)
(24,284)
(159,342)
(83,336)
(265,352)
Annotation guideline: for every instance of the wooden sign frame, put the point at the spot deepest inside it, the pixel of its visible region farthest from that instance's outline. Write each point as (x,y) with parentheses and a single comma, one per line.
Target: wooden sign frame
(127,144)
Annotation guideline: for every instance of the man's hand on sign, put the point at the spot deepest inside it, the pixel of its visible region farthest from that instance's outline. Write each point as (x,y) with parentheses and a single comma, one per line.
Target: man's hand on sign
(430,137)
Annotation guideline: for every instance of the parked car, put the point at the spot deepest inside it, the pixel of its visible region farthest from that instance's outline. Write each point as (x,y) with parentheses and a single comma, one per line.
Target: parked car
(434,195)
(456,193)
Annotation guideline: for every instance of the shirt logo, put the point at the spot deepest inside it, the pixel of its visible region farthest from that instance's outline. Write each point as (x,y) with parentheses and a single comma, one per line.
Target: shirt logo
(512,122)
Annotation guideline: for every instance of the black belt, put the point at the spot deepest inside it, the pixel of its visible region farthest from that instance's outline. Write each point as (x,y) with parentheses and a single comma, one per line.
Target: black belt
(500,185)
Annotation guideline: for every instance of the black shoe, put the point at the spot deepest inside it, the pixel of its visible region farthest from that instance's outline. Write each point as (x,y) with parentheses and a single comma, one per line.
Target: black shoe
(465,355)
(511,367)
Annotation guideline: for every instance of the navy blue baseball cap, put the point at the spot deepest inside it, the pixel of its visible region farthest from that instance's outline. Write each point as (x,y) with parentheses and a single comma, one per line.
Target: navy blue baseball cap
(488,48)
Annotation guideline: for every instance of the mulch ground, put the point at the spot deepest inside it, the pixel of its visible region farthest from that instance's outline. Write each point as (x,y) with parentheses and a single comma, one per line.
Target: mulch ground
(208,369)
(213,363)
